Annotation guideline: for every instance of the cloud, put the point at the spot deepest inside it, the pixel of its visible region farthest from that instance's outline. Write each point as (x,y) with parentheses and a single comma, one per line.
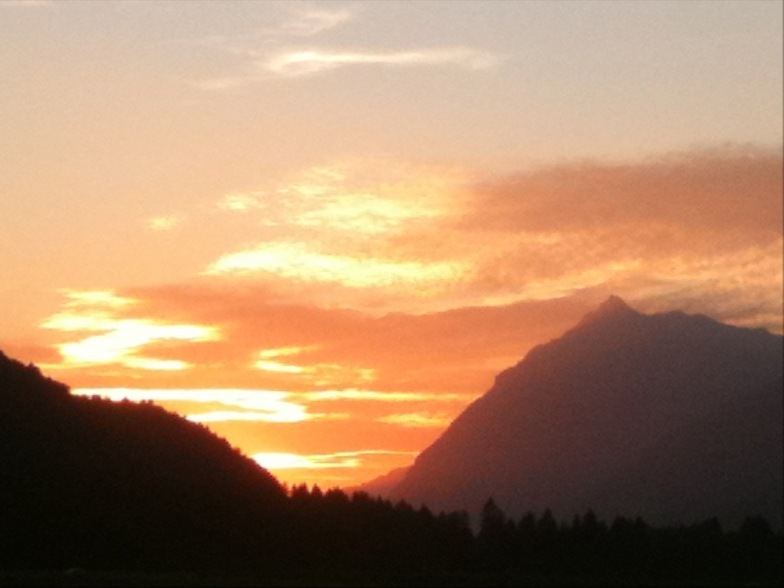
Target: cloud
(372,395)
(236,415)
(386,236)
(269,405)
(245,405)
(312,21)
(121,338)
(418,419)
(240,202)
(299,63)
(366,196)
(165,223)
(294,261)
(341,459)
(697,223)
(732,188)
(342,356)
(329,226)
(439,303)
(294,63)
(273,56)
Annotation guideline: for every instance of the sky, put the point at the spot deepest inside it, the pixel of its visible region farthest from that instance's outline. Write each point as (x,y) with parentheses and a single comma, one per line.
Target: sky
(322,228)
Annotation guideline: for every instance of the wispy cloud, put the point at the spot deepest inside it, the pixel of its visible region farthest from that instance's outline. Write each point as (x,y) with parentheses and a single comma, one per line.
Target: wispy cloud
(294,261)
(312,21)
(341,459)
(276,53)
(299,63)
(302,63)
(245,405)
(165,223)
(371,395)
(367,197)
(121,339)
(267,417)
(275,406)
(417,419)
(241,202)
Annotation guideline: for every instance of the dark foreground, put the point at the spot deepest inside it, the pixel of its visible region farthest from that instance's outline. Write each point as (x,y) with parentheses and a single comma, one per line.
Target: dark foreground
(505,578)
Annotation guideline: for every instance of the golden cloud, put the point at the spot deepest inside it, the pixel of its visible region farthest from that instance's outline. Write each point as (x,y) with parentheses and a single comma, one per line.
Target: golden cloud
(341,459)
(254,405)
(121,338)
(418,419)
(293,261)
(165,223)
(298,63)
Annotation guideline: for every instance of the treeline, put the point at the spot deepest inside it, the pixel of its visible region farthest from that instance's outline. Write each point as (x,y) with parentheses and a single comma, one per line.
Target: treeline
(628,547)
(100,485)
(334,531)
(331,530)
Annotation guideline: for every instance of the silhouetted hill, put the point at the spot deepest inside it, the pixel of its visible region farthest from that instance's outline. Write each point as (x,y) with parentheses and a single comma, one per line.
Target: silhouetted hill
(126,494)
(92,483)
(671,417)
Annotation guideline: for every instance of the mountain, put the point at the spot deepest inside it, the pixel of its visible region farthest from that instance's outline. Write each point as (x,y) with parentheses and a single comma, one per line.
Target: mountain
(381,485)
(96,484)
(671,417)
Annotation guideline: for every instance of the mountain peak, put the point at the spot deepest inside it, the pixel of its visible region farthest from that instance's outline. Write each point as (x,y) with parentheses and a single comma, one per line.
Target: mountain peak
(614,306)
(629,414)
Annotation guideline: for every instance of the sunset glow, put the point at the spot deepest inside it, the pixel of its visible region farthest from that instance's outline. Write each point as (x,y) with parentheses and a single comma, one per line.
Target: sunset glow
(92,311)
(299,467)
(295,262)
(322,229)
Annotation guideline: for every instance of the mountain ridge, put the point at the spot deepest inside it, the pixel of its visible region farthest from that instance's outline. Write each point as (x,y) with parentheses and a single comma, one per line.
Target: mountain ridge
(95,483)
(570,426)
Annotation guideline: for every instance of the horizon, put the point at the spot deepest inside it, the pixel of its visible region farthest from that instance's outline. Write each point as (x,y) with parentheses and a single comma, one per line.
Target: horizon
(322,228)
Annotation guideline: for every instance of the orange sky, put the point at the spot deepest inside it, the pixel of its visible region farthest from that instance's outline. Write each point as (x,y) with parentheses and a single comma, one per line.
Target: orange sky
(322,237)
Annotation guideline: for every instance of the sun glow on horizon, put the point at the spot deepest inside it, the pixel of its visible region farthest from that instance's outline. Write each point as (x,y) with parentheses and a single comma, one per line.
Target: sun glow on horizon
(255,405)
(277,406)
(418,419)
(338,460)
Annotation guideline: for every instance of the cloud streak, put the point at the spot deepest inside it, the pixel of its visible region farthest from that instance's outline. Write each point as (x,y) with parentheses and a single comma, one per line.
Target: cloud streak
(417,419)
(121,338)
(300,63)
(245,405)
(341,459)
(165,223)
(275,57)
(312,21)
(293,261)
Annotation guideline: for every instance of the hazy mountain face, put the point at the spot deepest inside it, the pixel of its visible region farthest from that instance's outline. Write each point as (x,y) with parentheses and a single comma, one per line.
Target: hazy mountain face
(671,417)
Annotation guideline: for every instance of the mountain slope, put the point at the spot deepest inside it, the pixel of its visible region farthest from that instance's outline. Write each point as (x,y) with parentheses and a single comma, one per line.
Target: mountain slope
(671,417)
(93,483)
